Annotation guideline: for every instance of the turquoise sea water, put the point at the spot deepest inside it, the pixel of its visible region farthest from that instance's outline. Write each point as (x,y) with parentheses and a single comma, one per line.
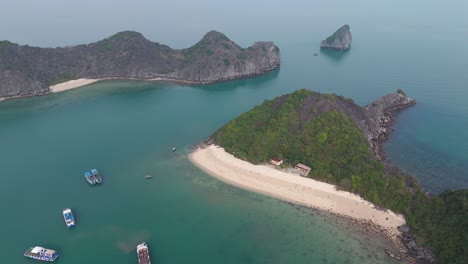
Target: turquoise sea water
(126,129)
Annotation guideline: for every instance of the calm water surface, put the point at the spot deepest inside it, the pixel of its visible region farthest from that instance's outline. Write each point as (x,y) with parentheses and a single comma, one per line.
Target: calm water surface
(126,129)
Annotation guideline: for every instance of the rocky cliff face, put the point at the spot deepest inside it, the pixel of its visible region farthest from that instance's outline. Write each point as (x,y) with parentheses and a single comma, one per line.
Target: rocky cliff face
(340,40)
(378,127)
(26,70)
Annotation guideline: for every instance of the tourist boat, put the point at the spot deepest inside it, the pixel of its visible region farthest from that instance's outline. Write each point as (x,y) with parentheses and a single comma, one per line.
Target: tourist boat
(68,216)
(90,178)
(143,254)
(97,175)
(41,253)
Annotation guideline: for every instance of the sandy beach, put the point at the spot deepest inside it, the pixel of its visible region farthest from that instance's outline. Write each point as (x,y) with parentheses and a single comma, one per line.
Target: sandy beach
(291,187)
(65,86)
(71,85)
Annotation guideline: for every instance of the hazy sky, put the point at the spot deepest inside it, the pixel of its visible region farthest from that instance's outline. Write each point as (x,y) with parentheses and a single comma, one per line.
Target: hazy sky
(180,23)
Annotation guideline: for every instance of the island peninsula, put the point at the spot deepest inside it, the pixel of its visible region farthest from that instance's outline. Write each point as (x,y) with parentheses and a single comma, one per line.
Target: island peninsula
(29,71)
(340,144)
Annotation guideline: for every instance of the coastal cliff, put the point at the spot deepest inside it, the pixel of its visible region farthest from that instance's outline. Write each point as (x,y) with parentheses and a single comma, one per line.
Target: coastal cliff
(342,143)
(340,40)
(26,71)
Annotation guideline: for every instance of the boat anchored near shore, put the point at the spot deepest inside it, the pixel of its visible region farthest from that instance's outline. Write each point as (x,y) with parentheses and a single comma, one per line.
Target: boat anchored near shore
(41,253)
(68,217)
(143,254)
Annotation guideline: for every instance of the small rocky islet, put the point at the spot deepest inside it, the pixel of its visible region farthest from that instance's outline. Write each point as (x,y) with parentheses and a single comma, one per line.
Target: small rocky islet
(340,40)
(29,71)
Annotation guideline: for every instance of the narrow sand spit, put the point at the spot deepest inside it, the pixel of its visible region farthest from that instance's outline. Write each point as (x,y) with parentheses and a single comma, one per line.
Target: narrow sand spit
(71,85)
(291,187)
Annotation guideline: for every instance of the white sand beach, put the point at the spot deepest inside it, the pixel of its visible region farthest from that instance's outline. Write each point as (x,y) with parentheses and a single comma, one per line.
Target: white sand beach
(71,85)
(291,187)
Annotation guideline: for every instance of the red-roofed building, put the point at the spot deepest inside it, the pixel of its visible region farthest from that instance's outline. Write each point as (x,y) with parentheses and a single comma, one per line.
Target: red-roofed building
(276,161)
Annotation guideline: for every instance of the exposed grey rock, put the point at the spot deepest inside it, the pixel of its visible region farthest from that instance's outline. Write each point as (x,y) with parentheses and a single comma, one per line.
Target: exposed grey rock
(26,70)
(340,40)
(421,254)
(380,112)
(404,228)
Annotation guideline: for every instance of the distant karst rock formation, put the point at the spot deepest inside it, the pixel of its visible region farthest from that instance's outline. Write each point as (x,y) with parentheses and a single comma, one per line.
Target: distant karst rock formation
(27,71)
(340,40)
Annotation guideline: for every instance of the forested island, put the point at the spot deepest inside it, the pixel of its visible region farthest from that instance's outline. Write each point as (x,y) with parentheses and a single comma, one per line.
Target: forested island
(27,71)
(341,142)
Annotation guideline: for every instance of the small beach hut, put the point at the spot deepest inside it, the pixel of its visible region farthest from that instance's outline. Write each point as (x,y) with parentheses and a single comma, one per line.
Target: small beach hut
(276,161)
(302,169)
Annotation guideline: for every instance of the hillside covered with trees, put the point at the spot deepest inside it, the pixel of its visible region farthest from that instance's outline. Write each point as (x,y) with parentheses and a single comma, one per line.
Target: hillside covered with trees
(327,133)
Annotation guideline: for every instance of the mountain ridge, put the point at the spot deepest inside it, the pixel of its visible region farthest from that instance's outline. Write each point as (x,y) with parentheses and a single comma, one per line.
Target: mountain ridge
(31,71)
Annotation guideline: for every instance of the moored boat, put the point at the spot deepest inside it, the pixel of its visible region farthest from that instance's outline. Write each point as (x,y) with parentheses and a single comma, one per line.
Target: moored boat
(68,216)
(96,175)
(90,178)
(148,176)
(41,253)
(174,149)
(143,254)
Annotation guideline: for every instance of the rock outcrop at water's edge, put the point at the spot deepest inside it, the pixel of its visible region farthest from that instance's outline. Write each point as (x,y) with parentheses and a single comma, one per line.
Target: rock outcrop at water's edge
(27,71)
(380,113)
(414,252)
(340,40)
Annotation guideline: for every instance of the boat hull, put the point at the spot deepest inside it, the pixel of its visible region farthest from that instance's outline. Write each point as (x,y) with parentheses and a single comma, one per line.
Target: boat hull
(41,259)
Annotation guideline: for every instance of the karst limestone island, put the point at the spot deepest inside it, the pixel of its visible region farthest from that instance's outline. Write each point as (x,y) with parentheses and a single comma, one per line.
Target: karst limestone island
(340,40)
(337,145)
(27,71)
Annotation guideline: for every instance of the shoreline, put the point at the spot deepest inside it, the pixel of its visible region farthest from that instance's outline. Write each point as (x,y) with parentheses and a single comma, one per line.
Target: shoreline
(72,84)
(81,82)
(76,83)
(296,189)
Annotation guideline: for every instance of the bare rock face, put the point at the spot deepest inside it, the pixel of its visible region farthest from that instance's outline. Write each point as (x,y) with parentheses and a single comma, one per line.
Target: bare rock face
(340,40)
(26,70)
(380,113)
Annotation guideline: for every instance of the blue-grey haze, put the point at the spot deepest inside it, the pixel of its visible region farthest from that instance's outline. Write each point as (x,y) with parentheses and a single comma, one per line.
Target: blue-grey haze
(126,129)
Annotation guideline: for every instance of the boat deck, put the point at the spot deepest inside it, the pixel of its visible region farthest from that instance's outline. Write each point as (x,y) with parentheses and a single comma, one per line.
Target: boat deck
(143,257)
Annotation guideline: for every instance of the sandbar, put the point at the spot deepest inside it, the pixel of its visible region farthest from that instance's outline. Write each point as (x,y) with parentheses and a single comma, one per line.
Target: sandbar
(288,186)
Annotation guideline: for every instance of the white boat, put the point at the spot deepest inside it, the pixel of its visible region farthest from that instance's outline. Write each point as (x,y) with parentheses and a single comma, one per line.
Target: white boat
(96,175)
(41,253)
(143,254)
(68,216)
(174,149)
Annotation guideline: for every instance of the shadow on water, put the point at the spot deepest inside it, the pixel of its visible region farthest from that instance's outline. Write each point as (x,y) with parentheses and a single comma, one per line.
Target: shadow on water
(334,55)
